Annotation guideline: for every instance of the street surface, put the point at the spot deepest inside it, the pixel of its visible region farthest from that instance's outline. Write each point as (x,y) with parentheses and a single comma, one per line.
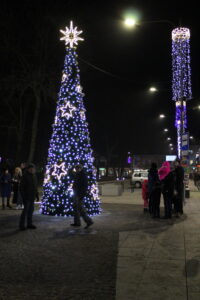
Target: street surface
(124,255)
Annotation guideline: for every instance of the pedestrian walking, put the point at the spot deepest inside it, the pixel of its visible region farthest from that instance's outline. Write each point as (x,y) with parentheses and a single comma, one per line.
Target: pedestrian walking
(178,188)
(145,195)
(17,198)
(154,187)
(80,188)
(28,189)
(167,187)
(6,187)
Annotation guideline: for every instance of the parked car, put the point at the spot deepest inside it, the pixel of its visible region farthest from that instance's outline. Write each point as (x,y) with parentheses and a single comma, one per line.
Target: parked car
(138,177)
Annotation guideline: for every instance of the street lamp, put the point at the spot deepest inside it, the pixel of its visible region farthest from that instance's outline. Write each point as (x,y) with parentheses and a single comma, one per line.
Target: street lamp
(169,139)
(162,116)
(130,22)
(153,89)
(166,130)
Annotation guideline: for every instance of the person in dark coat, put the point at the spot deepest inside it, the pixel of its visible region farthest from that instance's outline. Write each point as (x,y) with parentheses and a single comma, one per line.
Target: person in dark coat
(6,187)
(28,190)
(166,177)
(80,187)
(15,182)
(154,189)
(179,188)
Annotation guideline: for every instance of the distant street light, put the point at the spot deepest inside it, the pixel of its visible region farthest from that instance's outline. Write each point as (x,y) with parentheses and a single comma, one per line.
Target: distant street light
(166,130)
(153,89)
(130,22)
(170,145)
(198,106)
(161,116)
(169,139)
(191,137)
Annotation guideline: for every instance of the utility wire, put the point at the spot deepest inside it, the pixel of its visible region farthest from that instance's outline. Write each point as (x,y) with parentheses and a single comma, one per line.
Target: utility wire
(117,76)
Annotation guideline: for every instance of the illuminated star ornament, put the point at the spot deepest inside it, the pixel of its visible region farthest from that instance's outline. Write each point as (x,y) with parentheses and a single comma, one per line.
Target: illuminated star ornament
(71,35)
(59,171)
(67,110)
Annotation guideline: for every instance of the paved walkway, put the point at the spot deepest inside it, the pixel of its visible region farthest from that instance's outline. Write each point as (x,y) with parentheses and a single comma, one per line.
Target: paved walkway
(125,255)
(161,261)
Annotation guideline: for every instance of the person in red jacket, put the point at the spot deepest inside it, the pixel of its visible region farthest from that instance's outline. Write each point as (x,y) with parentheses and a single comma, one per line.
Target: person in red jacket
(145,195)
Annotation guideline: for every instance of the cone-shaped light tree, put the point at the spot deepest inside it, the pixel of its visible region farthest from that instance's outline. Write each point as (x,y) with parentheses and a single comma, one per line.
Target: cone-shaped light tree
(70,142)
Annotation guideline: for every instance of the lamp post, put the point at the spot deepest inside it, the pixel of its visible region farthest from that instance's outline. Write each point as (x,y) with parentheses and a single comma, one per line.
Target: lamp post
(181,73)
(181,82)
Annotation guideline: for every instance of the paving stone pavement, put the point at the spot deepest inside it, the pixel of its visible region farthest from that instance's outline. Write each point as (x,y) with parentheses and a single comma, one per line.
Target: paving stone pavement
(161,261)
(125,255)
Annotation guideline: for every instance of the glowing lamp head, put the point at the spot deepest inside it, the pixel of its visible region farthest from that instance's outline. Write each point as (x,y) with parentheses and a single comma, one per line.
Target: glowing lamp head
(161,116)
(153,89)
(130,22)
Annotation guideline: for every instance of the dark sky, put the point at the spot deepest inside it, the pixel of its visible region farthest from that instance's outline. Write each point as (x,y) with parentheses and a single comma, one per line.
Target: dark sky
(120,110)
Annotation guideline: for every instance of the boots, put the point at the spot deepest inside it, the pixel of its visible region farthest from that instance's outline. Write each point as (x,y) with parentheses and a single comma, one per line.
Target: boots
(3,204)
(8,203)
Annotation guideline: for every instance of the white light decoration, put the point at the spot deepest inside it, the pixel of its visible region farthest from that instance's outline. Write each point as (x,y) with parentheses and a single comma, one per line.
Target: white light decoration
(82,114)
(64,77)
(59,170)
(47,176)
(71,35)
(95,192)
(67,110)
(79,89)
(180,33)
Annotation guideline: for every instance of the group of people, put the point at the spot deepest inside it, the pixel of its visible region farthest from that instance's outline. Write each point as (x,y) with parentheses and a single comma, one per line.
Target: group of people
(23,183)
(9,183)
(169,182)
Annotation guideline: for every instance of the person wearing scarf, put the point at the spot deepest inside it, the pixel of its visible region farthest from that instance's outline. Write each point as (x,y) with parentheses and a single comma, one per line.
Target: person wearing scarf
(166,177)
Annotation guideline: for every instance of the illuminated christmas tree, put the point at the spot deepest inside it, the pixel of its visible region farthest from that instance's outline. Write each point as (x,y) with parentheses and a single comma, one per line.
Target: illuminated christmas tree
(70,142)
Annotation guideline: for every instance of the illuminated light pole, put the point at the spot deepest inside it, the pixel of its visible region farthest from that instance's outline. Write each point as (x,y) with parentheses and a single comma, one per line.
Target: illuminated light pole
(181,79)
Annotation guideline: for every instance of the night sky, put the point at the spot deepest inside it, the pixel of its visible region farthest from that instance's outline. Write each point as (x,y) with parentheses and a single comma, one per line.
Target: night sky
(117,66)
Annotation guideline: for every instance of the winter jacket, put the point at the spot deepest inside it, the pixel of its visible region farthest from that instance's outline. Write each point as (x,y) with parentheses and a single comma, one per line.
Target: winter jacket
(153,180)
(80,185)
(167,184)
(179,178)
(28,187)
(6,185)
(164,170)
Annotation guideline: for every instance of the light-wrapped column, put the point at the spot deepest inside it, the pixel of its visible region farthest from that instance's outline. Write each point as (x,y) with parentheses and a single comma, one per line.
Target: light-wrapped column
(181,78)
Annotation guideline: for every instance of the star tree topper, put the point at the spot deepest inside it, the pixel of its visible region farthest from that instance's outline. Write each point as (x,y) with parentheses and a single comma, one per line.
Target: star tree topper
(71,35)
